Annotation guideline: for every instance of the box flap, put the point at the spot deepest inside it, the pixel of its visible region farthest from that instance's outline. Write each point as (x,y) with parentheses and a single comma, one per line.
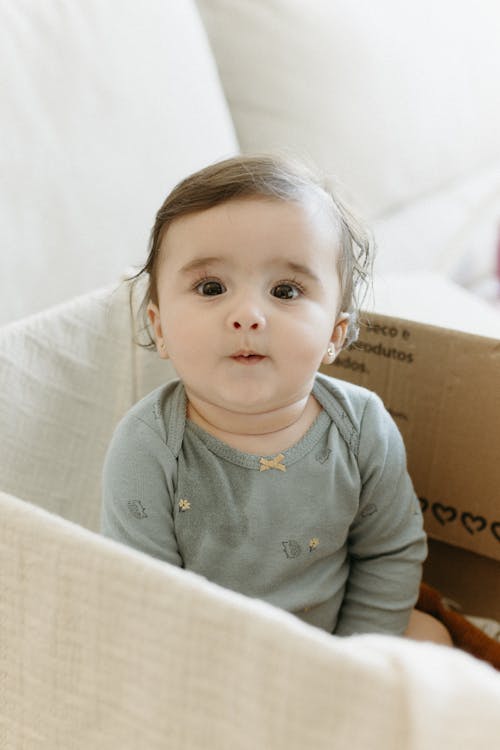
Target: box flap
(442,388)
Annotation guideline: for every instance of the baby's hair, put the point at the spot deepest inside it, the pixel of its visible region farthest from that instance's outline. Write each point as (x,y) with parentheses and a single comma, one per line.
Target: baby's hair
(273,177)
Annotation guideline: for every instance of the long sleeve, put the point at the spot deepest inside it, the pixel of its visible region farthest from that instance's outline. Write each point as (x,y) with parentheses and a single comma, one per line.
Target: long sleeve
(386,543)
(138,491)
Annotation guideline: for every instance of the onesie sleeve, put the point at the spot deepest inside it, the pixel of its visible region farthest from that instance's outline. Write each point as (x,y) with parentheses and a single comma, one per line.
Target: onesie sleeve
(138,491)
(386,543)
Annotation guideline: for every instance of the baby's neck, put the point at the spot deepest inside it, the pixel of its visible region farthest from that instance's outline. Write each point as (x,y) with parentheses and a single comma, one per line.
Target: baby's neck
(258,434)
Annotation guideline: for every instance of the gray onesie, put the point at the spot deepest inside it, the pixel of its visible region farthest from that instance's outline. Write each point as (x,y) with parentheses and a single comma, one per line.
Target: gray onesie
(330,529)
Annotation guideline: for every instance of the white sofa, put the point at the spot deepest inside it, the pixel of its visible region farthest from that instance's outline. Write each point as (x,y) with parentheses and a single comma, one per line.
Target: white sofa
(105,108)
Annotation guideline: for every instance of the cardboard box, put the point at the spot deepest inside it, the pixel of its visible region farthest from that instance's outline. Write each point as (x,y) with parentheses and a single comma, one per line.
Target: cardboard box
(442,388)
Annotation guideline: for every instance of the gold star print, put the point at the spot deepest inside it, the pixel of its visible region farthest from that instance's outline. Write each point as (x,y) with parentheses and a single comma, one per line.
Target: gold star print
(273,463)
(184,505)
(313,543)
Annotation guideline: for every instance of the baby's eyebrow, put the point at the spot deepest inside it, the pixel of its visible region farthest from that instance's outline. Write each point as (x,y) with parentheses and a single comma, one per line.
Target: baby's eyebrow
(197,263)
(288,265)
(297,268)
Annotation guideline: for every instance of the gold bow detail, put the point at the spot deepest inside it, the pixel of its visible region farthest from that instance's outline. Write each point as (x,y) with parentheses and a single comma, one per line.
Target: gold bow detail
(273,463)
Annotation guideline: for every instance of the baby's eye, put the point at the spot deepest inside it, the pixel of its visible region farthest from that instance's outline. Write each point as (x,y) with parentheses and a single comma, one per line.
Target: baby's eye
(286,291)
(210,288)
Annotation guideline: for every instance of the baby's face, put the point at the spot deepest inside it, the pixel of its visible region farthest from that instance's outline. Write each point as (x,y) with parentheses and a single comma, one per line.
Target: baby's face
(248,295)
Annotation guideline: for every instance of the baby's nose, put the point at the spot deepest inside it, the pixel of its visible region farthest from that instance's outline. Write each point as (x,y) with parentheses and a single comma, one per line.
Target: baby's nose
(251,326)
(247,317)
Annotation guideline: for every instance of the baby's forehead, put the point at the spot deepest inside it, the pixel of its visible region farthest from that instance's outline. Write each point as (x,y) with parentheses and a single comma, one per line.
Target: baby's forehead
(311,210)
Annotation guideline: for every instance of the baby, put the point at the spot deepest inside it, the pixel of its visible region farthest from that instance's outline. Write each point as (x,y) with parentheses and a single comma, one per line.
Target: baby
(252,469)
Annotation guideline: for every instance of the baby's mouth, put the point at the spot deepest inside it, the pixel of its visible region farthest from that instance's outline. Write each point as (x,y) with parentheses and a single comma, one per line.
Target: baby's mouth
(247,357)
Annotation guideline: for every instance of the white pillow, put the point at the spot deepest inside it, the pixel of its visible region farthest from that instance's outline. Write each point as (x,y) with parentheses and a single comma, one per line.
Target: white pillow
(104,107)
(454,231)
(396,99)
(434,300)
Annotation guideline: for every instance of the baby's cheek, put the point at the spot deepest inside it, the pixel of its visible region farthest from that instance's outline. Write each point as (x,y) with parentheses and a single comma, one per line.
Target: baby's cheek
(313,336)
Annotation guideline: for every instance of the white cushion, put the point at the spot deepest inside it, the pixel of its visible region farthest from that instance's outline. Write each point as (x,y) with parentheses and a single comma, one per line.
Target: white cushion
(454,231)
(67,375)
(397,99)
(103,108)
(434,300)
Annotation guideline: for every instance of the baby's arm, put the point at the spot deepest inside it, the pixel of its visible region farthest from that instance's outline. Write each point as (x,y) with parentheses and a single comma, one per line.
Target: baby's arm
(138,491)
(387,544)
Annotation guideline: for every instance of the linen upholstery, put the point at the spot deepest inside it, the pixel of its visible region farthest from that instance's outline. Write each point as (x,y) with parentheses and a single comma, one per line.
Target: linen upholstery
(104,647)
(67,375)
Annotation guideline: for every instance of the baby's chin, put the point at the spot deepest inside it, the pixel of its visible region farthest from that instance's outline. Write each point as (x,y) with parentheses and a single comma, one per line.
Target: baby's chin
(243,414)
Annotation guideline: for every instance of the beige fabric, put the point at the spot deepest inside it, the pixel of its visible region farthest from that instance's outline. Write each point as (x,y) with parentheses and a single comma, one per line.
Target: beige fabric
(102,647)
(67,376)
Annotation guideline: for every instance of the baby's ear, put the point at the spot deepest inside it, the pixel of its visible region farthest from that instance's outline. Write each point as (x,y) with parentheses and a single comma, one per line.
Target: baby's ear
(153,312)
(337,339)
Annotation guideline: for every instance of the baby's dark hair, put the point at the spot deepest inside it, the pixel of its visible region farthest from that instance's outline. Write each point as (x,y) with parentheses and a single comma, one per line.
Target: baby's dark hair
(274,177)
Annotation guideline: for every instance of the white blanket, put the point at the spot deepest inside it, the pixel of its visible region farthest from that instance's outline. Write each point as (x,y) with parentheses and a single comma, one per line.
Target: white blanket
(102,647)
